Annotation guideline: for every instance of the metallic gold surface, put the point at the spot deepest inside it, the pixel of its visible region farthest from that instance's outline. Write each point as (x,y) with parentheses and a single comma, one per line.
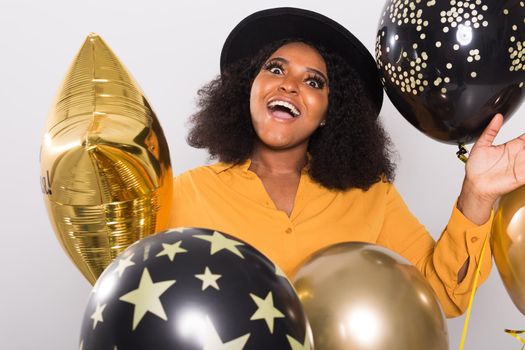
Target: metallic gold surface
(105,166)
(508,244)
(362,296)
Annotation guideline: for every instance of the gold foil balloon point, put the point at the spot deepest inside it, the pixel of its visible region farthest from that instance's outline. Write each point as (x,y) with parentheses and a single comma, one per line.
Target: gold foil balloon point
(508,244)
(362,296)
(105,166)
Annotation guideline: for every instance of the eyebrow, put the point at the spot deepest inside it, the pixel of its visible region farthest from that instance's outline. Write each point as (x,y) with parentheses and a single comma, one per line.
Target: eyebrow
(308,69)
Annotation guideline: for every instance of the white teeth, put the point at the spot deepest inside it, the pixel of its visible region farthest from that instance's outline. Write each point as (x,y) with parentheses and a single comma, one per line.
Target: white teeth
(285,104)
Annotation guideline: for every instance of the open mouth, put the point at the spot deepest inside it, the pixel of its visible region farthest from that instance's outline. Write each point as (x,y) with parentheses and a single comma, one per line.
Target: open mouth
(283,109)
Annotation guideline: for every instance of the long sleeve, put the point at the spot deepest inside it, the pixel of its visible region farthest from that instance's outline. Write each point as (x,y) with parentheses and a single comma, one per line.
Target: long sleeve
(440,261)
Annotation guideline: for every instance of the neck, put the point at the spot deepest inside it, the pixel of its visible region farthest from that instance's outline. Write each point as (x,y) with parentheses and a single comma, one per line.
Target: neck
(278,162)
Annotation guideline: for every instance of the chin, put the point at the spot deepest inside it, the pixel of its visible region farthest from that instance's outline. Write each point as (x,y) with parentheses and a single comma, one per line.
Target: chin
(275,145)
(280,145)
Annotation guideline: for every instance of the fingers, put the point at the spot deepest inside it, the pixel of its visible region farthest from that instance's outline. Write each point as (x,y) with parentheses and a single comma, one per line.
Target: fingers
(490,132)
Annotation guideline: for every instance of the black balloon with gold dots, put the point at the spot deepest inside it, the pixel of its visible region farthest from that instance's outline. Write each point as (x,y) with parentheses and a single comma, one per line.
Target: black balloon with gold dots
(449,66)
(193,289)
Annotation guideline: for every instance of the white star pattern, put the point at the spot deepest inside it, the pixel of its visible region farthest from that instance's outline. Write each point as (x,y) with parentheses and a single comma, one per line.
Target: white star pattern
(212,341)
(208,279)
(265,310)
(144,296)
(97,315)
(147,298)
(219,242)
(279,272)
(123,264)
(171,250)
(295,345)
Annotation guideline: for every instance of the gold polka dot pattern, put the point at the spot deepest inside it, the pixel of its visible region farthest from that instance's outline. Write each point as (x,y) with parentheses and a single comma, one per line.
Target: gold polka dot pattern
(442,59)
(468,13)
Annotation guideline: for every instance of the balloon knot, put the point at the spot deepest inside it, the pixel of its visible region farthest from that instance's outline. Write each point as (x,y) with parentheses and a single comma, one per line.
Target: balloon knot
(462,153)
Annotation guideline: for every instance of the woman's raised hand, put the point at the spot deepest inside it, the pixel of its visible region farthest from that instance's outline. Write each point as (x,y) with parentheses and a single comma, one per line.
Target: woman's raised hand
(491,171)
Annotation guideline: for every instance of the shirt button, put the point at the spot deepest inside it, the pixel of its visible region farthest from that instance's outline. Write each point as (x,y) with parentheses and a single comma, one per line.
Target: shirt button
(288,230)
(474,239)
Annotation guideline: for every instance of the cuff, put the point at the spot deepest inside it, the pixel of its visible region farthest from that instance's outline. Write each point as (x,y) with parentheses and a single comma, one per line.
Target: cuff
(463,240)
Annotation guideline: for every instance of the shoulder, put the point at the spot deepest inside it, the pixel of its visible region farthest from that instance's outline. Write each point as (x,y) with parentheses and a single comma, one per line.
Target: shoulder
(207,174)
(381,187)
(379,193)
(202,172)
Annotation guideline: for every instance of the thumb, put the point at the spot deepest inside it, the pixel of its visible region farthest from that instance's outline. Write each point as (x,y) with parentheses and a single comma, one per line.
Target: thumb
(491,131)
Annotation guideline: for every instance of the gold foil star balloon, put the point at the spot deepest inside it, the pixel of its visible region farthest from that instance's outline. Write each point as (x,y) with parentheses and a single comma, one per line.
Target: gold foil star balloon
(105,166)
(508,244)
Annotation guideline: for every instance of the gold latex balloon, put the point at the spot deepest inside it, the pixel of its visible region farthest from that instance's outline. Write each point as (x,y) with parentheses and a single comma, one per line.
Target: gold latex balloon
(508,244)
(105,166)
(365,297)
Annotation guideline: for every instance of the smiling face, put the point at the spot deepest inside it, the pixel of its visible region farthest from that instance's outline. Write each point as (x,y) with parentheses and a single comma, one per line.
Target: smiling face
(289,96)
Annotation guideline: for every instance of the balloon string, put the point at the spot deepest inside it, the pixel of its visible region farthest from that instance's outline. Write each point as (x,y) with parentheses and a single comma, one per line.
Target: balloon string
(515,335)
(474,287)
(462,153)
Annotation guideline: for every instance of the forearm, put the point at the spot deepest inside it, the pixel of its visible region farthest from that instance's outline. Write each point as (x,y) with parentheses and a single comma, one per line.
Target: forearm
(474,206)
(448,265)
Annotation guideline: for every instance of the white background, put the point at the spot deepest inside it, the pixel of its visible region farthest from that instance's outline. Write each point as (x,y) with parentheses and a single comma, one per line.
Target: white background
(172,48)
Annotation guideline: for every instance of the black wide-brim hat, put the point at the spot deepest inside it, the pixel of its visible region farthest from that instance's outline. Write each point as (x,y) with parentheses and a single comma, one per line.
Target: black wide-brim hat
(271,25)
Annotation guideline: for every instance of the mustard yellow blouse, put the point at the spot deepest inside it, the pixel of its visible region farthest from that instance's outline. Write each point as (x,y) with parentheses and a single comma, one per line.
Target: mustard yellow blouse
(232,199)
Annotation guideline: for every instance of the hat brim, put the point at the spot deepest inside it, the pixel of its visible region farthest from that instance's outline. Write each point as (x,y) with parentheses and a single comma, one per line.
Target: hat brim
(271,25)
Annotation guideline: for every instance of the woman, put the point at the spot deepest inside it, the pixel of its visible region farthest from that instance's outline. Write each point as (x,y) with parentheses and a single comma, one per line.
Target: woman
(304,163)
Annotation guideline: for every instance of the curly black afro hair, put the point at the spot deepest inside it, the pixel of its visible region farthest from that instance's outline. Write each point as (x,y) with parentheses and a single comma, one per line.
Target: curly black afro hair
(351,151)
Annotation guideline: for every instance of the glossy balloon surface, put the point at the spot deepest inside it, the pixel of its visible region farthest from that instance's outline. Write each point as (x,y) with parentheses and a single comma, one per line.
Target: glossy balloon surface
(193,289)
(105,166)
(363,296)
(508,244)
(449,66)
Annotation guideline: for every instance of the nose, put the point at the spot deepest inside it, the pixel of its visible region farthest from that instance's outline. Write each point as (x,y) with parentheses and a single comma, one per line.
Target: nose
(289,85)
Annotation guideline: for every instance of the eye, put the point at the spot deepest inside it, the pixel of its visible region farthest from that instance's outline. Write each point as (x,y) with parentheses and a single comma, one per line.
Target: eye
(274,68)
(315,82)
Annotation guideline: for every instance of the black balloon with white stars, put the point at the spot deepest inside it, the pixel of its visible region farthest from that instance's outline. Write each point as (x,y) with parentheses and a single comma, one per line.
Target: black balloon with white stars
(193,289)
(449,66)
